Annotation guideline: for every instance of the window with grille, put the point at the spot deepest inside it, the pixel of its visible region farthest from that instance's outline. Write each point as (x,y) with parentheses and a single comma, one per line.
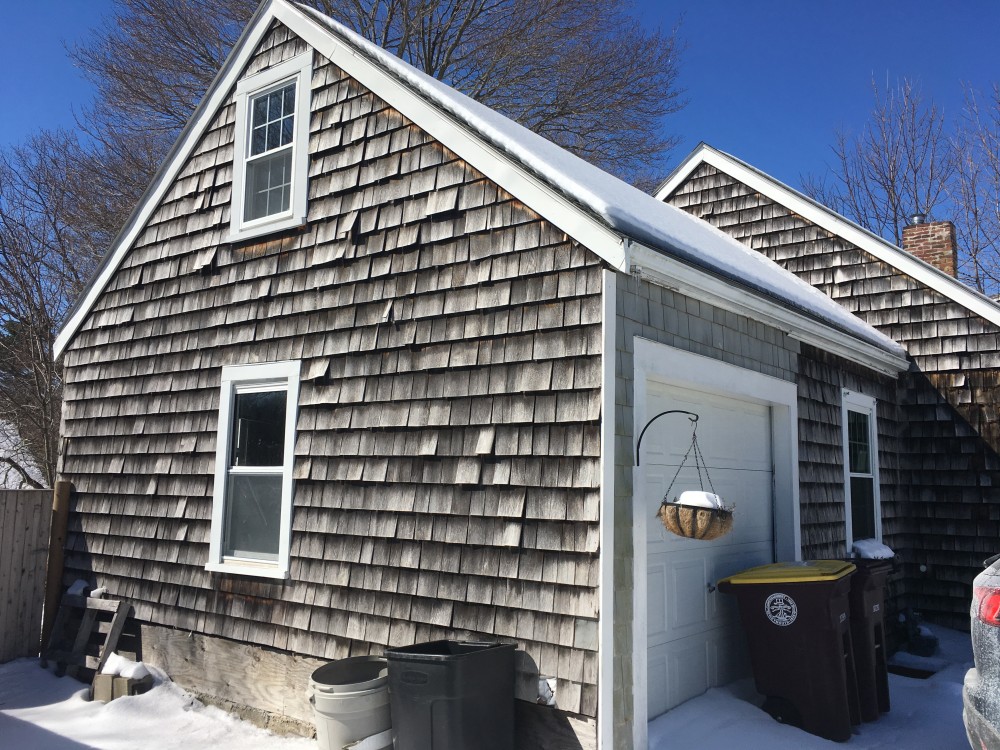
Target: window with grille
(271,157)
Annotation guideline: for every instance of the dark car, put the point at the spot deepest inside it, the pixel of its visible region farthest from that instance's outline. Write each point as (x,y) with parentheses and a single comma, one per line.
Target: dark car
(981,692)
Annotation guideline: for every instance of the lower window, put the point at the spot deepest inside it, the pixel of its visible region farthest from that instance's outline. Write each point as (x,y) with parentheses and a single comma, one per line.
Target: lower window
(861,486)
(251,515)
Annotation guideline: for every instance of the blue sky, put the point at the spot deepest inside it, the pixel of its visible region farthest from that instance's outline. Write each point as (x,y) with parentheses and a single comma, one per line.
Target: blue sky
(768,81)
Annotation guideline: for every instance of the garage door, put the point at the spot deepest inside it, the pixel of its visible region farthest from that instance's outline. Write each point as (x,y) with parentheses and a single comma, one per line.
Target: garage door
(693,632)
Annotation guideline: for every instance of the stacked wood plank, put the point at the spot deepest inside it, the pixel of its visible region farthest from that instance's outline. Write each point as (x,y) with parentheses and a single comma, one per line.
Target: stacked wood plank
(949,481)
(447,453)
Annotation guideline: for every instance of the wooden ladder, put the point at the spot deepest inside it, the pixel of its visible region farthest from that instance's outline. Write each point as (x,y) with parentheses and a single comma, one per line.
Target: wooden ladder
(72,653)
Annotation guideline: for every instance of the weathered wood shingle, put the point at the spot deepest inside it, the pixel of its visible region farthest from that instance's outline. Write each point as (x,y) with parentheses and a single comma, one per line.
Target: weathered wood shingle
(946,521)
(447,448)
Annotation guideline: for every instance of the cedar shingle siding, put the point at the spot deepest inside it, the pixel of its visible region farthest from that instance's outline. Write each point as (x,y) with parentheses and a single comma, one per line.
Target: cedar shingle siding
(949,469)
(447,455)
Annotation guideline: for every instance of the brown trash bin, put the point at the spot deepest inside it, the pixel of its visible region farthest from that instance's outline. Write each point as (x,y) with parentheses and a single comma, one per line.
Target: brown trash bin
(868,635)
(796,616)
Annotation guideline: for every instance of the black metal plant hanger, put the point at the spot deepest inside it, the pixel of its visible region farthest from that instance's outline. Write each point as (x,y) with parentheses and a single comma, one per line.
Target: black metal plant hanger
(691,416)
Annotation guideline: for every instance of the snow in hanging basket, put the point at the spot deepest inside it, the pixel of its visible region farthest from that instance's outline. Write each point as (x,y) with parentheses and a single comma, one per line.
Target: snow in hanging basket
(695,514)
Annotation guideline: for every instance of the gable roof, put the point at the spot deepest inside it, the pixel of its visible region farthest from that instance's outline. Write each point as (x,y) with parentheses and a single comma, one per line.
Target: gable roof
(613,219)
(833,222)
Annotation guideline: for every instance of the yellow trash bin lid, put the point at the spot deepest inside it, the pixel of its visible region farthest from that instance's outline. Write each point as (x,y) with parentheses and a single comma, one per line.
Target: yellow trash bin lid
(794,572)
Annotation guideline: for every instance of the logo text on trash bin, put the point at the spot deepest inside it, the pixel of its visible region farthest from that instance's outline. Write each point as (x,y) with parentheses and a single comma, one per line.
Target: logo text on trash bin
(780,609)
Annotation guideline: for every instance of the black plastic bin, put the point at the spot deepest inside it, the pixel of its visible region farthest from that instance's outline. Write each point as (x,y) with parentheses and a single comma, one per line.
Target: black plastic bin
(868,635)
(452,695)
(797,623)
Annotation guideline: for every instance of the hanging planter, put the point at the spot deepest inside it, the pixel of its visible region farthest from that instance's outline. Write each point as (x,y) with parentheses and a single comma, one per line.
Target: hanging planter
(695,521)
(694,514)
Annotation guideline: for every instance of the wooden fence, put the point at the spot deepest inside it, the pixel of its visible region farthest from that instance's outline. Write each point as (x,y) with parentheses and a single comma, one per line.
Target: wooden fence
(25,523)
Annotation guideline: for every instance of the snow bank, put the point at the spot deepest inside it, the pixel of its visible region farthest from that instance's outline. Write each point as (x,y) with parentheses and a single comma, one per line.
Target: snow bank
(925,715)
(43,712)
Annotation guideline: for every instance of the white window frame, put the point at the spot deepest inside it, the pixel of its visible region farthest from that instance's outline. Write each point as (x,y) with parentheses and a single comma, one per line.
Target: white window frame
(282,376)
(298,69)
(860,403)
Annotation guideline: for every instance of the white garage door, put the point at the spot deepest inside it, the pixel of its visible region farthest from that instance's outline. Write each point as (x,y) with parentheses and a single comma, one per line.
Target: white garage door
(694,641)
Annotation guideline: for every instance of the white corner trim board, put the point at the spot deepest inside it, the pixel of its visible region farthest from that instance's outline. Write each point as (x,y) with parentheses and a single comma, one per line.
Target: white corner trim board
(833,222)
(606,623)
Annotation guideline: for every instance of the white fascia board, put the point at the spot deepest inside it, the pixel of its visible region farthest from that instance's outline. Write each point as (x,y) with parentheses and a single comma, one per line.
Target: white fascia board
(430,116)
(214,98)
(834,223)
(673,274)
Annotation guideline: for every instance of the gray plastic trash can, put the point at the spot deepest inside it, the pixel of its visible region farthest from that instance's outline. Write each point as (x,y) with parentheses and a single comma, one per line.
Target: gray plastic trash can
(350,699)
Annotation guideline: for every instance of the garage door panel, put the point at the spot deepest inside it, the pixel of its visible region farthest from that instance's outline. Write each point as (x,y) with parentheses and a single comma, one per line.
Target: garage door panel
(693,636)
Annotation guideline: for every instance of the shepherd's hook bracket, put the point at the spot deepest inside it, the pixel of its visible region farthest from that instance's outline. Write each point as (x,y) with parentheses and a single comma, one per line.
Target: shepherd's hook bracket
(691,416)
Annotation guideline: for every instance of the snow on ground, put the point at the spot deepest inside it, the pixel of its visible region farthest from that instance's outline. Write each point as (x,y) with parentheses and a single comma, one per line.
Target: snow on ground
(39,711)
(925,714)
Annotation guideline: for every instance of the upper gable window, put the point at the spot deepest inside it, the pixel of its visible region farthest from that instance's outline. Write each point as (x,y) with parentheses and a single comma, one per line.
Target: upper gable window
(861,483)
(270,167)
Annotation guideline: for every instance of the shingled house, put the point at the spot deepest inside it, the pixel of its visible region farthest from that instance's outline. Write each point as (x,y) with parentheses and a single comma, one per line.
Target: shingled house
(366,366)
(949,405)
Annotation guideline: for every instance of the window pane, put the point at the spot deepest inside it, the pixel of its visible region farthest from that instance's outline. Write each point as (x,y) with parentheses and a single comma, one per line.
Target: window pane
(273,135)
(859,453)
(862,508)
(258,431)
(287,128)
(258,140)
(274,105)
(253,516)
(259,111)
(268,185)
(272,116)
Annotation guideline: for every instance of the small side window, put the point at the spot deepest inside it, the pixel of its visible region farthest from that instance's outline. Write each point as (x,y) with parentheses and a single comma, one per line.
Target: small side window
(270,163)
(252,509)
(861,484)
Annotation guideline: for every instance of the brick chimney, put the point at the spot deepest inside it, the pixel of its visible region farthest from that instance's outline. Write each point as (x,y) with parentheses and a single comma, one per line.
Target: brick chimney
(933,242)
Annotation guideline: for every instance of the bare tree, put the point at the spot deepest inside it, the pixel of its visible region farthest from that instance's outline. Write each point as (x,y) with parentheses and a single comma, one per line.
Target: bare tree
(976,191)
(586,75)
(902,162)
(46,256)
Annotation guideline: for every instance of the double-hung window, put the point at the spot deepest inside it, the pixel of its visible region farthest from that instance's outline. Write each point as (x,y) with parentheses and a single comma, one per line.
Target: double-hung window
(861,483)
(252,510)
(270,162)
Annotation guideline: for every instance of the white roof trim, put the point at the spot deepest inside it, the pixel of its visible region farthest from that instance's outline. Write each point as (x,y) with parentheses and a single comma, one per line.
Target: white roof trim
(833,222)
(579,224)
(668,272)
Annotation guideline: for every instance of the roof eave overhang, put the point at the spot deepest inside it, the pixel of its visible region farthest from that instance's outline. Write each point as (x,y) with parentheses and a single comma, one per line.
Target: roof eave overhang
(678,276)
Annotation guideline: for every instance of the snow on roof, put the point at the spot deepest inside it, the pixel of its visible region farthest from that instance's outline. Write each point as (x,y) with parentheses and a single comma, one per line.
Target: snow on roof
(624,208)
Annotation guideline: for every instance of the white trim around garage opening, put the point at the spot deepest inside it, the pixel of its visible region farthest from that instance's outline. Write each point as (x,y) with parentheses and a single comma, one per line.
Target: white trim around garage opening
(661,363)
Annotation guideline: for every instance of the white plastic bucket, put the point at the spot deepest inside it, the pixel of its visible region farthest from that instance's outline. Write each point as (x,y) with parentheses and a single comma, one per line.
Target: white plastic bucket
(350,701)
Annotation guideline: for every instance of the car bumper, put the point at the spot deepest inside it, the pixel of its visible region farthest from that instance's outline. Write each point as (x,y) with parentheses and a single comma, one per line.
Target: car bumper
(983,735)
